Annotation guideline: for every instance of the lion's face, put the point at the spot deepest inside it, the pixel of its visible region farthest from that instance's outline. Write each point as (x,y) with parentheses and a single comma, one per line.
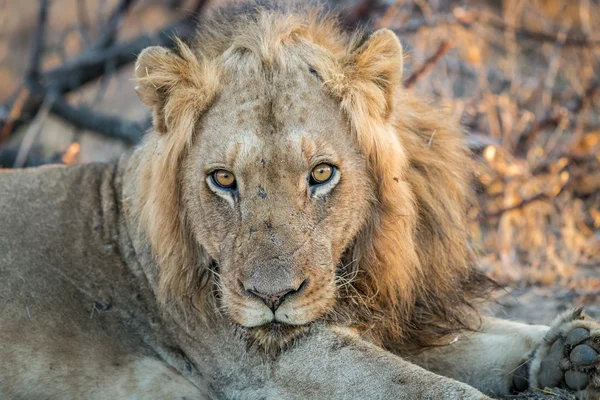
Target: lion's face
(275,190)
(261,160)
(282,146)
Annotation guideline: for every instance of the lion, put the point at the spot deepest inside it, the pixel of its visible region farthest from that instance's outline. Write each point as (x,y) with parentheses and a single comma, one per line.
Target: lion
(287,229)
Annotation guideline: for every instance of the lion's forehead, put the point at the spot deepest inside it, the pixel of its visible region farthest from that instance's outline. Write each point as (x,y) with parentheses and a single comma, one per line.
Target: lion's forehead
(280,118)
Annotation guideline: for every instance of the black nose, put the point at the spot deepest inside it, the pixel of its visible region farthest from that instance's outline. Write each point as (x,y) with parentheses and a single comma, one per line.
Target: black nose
(273,301)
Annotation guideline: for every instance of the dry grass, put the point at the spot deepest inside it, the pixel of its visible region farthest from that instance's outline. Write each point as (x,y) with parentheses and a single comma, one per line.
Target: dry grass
(532,105)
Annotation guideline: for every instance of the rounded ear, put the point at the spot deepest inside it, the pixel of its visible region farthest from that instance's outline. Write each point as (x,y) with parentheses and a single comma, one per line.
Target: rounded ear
(150,66)
(155,79)
(174,83)
(380,56)
(178,85)
(375,68)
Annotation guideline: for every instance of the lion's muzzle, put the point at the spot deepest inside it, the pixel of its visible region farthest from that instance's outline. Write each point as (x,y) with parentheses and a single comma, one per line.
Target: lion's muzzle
(274,300)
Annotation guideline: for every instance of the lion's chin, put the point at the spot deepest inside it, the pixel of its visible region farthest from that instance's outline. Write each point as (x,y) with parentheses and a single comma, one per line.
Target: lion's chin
(275,336)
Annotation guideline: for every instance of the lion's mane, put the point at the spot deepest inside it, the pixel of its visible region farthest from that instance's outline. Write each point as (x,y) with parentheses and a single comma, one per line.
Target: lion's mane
(413,279)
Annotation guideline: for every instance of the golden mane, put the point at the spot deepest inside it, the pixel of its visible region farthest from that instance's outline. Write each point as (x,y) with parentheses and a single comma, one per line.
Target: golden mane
(414,275)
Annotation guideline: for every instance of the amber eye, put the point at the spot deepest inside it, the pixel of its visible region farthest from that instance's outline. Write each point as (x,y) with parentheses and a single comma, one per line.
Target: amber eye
(321,174)
(224,179)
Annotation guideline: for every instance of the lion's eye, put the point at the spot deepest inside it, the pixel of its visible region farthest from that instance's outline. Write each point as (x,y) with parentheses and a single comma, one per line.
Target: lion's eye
(224,179)
(321,174)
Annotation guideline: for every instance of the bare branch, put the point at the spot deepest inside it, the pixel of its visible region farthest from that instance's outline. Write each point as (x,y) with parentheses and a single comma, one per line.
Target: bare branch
(469,18)
(10,114)
(109,126)
(114,22)
(359,13)
(88,66)
(37,52)
(540,196)
(32,133)
(83,25)
(527,137)
(424,69)
(502,211)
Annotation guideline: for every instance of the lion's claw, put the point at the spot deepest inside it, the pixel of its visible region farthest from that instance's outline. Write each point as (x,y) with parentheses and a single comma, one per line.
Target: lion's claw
(569,357)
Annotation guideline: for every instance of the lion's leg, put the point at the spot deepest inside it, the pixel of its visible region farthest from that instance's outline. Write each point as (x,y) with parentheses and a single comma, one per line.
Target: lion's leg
(335,364)
(38,363)
(505,356)
(488,359)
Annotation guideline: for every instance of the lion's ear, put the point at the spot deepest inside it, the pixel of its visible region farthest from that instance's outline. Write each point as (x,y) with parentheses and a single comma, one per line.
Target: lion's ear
(171,82)
(374,68)
(150,67)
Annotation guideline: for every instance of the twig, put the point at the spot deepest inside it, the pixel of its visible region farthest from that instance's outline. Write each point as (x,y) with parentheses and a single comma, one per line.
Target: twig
(502,211)
(33,70)
(90,64)
(443,48)
(523,203)
(527,137)
(35,158)
(84,21)
(554,64)
(580,40)
(104,82)
(390,13)
(87,67)
(477,142)
(32,133)
(112,26)
(468,18)
(113,127)
(584,16)
(360,13)
(415,25)
(12,113)
(592,90)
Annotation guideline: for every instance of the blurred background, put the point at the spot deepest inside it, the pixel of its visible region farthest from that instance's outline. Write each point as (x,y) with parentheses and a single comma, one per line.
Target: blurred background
(522,76)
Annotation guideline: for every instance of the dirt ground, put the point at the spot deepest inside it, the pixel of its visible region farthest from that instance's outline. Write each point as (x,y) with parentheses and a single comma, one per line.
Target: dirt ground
(521,76)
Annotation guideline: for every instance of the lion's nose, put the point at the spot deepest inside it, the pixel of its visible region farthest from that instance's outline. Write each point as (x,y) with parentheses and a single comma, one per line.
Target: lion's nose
(274,300)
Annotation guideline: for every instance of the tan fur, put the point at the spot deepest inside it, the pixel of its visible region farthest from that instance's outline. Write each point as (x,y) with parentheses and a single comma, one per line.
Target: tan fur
(178,88)
(413,270)
(140,279)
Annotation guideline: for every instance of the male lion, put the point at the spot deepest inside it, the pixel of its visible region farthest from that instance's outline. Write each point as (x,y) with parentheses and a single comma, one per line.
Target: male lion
(287,230)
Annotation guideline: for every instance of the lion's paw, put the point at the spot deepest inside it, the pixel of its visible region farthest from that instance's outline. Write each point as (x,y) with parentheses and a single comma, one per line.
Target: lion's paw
(569,356)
